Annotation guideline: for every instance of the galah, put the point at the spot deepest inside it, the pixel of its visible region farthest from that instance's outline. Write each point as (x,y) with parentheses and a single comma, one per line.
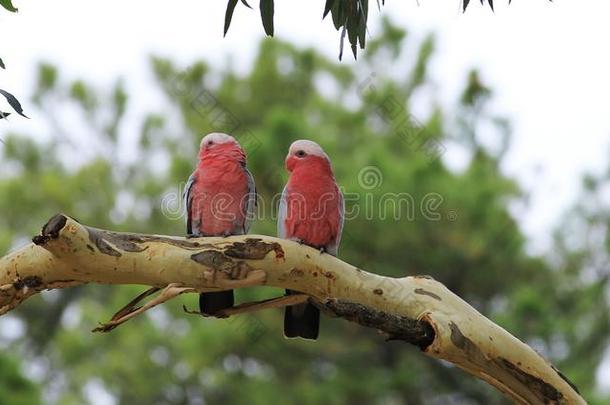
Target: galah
(220,200)
(311,212)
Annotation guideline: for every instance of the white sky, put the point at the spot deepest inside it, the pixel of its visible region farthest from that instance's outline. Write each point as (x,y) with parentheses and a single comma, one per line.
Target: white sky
(548,63)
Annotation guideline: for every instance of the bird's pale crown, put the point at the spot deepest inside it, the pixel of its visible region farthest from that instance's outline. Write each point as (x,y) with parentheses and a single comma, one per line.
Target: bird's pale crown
(217,138)
(307,146)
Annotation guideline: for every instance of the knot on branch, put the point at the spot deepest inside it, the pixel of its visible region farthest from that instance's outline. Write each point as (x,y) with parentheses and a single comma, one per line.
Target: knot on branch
(51,229)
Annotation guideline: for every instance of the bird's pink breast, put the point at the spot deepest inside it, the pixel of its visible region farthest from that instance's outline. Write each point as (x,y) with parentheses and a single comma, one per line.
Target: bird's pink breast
(220,197)
(313,210)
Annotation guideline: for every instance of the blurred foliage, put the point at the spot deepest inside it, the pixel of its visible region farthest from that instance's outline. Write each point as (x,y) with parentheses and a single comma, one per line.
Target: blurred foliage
(111,172)
(13,386)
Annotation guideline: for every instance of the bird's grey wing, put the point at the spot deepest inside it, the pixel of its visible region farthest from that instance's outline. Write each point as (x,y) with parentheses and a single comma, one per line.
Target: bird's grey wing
(188,203)
(333,248)
(250,203)
(281,215)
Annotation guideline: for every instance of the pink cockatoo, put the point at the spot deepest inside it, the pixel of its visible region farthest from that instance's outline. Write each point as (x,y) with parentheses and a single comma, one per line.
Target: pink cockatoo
(311,212)
(220,200)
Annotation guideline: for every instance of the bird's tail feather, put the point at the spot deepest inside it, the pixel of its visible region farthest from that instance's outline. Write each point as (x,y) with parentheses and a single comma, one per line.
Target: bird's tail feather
(301,320)
(212,302)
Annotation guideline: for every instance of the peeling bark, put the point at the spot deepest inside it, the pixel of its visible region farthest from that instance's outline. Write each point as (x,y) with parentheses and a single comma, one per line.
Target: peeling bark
(418,309)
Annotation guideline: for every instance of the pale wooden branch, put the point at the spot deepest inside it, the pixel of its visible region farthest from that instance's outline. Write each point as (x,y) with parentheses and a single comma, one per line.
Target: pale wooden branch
(418,310)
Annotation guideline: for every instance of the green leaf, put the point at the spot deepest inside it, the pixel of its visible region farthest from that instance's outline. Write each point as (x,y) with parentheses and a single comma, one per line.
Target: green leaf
(229,14)
(2,64)
(362,34)
(8,5)
(13,102)
(352,31)
(4,115)
(342,41)
(327,7)
(364,7)
(267,16)
(339,14)
(245,3)
(465,4)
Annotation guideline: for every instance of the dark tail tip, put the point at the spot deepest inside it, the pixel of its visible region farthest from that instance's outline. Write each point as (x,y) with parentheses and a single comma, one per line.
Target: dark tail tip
(302,321)
(212,302)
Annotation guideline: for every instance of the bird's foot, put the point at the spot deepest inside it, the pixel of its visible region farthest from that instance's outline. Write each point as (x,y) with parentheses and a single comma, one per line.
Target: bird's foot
(195,312)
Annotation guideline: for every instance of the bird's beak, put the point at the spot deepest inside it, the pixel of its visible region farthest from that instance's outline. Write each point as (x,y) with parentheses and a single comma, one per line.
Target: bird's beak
(289,163)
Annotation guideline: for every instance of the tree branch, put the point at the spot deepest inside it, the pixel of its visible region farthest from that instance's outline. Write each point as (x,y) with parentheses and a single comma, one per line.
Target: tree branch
(418,310)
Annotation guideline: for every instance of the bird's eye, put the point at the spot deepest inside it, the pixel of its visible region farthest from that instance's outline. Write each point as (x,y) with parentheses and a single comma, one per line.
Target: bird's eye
(301,153)
(210,143)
